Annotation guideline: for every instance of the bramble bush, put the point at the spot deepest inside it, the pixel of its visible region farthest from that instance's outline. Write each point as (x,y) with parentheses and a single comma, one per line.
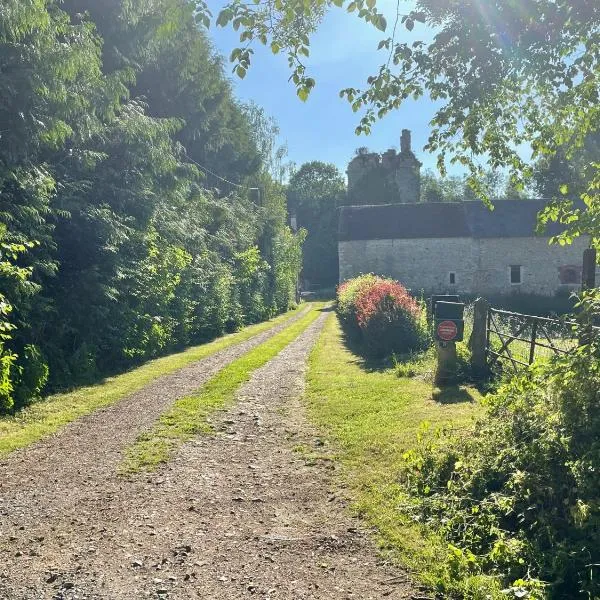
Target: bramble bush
(382,313)
(518,500)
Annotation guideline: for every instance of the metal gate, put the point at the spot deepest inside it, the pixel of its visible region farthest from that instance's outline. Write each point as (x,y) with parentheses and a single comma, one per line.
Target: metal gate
(518,340)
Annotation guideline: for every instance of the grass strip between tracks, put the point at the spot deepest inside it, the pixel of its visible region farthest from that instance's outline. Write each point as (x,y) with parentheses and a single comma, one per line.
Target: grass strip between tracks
(187,416)
(47,416)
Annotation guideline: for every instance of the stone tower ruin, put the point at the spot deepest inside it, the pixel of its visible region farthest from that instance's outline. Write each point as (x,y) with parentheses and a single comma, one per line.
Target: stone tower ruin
(388,178)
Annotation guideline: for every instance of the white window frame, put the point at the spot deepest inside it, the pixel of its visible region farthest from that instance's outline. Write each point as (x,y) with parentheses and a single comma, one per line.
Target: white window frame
(510,268)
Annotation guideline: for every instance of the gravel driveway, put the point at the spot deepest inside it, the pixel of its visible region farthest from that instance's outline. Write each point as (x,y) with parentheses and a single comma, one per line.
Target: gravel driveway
(237,514)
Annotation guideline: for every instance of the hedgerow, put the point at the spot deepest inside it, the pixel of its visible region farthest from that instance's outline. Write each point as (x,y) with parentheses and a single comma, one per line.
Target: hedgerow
(518,500)
(130,226)
(383,314)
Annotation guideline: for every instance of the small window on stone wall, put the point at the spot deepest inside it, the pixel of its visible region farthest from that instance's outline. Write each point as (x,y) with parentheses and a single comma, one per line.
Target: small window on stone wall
(516,274)
(452,278)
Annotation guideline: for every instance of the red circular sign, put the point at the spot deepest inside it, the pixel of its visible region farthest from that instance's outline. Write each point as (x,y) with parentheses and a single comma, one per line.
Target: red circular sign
(447,330)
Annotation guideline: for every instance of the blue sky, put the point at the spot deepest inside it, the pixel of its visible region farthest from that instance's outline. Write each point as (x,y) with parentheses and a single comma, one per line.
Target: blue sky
(343,54)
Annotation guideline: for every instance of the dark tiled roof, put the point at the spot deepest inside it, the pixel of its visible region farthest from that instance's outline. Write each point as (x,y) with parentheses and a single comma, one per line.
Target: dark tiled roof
(510,218)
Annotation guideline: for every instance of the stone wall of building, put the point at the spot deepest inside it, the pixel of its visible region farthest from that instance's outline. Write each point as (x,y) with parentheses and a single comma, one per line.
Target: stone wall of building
(541,264)
(479,266)
(420,264)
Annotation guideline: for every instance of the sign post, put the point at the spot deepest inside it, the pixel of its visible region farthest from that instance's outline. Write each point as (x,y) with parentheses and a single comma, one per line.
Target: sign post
(449,328)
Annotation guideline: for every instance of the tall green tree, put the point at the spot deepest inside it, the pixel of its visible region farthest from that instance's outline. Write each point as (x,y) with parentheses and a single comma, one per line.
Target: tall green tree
(456,188)
(52,95)
(265,133)
(125,172)
(568,172)
(314,193)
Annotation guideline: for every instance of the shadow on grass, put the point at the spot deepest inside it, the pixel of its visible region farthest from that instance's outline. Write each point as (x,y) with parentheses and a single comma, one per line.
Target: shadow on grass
(326,309)
(365,362)
(452,394)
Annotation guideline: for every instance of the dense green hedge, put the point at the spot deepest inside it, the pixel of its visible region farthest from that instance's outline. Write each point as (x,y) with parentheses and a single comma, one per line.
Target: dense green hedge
(118,243)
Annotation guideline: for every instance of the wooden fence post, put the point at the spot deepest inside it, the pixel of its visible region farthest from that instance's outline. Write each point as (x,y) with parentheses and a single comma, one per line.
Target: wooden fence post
(478,341)
(588,275)
(588,282)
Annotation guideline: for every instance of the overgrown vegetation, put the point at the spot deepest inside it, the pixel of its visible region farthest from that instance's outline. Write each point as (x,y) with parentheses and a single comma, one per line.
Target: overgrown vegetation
(518,500)
(423,364)
(44,418)
(188,415)
(383,315)
(128,225)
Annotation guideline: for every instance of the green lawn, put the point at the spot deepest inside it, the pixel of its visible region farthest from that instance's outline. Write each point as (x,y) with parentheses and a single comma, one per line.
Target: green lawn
(372,417)
(45,417)
(187,416)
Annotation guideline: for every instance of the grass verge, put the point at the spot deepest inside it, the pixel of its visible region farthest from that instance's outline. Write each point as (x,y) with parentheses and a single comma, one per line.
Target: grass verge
(187,416)
(373,416)
(46,417)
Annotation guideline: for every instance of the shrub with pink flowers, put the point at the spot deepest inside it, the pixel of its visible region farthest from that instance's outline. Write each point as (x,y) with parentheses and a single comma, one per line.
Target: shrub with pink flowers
(383,314)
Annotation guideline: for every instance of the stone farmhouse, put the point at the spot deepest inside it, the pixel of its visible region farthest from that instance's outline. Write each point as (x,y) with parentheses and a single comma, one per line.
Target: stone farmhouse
(436,247)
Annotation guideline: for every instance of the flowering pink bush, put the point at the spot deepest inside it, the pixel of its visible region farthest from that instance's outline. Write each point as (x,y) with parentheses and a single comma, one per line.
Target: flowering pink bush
(384,296)
(384,314)
(347,293)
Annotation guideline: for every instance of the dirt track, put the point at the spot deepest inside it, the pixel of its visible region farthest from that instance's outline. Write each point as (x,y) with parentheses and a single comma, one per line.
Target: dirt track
(237,514)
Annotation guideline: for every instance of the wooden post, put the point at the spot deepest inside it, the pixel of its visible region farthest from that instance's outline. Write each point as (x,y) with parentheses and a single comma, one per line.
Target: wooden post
(479,337)
(588,274)
(588,282)
(446,364)
(533,340)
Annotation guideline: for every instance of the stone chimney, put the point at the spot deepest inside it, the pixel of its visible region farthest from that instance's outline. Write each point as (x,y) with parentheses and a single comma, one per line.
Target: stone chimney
(405,142)
(408,172)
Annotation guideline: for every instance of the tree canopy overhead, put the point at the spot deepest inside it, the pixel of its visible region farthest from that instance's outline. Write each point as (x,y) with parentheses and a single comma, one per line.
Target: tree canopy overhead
(508,74)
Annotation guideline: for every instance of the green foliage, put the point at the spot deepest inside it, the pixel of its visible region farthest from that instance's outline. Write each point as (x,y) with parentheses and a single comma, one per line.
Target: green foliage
(454,188)
(287,259)
(415,364)
(518,499)
(116,115)
(313,195)
(12,277)
(347,293)
(265,133)
(568,170)
(32,376)
(520,84)
(423,364)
